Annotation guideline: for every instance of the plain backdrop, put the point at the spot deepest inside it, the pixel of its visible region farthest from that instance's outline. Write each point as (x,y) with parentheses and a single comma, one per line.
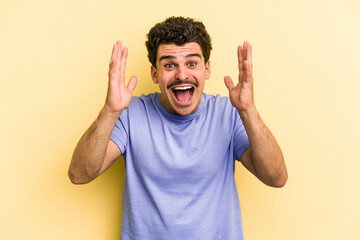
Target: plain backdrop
(54,58)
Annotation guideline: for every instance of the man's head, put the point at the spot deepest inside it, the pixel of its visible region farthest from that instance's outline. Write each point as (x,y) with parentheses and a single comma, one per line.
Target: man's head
(178,31)
(179,51)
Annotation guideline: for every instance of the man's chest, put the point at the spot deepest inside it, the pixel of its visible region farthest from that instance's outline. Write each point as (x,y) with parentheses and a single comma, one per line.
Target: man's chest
(167,150)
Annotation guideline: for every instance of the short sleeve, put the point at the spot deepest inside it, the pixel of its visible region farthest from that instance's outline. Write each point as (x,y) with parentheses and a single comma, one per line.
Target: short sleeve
(240,138)
(119,134)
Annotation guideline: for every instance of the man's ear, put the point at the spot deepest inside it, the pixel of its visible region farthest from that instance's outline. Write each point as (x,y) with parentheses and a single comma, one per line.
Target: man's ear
(207,70)
(153,75)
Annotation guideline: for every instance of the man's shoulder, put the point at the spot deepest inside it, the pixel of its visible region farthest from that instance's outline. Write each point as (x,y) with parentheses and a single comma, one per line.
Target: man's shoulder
(143,104)
(217,99)
(143,99)
(218,105)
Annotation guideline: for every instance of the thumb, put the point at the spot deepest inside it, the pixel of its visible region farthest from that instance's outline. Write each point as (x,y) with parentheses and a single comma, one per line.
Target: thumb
(132,83)
(229,82)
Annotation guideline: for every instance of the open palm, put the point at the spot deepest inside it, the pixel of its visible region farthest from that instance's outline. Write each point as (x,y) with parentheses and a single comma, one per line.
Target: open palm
(119,95)
(241,95)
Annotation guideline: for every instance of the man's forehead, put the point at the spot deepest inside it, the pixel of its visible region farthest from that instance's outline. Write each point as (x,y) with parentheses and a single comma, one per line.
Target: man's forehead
(173,51)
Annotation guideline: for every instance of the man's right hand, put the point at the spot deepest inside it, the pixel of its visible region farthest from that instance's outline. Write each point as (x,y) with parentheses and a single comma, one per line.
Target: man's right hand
(119,95)
(95,152)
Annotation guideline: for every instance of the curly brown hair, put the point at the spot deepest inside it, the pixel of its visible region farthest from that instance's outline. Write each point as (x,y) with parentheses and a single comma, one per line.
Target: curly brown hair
(179,31)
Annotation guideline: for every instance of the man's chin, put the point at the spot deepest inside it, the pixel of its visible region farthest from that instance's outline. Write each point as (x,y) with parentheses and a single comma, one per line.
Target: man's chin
(186,108)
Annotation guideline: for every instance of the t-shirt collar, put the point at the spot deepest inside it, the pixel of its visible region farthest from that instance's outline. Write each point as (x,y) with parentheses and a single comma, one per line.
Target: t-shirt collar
(178,117)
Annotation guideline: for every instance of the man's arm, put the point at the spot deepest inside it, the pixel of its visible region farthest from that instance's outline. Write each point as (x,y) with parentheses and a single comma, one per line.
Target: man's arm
(95,152)
(264,157)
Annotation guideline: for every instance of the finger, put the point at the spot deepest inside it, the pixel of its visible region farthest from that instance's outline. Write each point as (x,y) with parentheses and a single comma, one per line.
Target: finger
(242,74)
(123,64)
(118,49)
(240,58)
(113,54)
(247,71)
(229,83)
(113,61)
(245,48)
(249,55)
(132,83)
(118,54)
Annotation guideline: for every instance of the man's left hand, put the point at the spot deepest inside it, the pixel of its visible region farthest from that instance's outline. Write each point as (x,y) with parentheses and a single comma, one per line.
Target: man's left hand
(241,95)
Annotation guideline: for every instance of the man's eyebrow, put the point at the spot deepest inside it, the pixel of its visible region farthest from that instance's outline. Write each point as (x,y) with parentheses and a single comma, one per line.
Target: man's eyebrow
(166,57)
(193,55)
(172,57)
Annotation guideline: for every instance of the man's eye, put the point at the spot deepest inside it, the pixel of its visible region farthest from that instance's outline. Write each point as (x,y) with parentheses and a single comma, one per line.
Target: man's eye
(192,64)
(169,65)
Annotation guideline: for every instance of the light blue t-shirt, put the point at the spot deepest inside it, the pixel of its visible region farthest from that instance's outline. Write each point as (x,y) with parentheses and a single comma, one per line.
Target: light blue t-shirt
(179,181)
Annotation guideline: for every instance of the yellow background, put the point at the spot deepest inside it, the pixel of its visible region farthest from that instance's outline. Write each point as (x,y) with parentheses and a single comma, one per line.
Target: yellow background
(54,59)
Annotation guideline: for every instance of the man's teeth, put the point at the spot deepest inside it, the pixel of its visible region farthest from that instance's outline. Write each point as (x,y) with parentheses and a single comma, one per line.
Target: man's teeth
(182,88)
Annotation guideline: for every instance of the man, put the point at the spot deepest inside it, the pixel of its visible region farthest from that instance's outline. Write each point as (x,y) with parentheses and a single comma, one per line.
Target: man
(179,145)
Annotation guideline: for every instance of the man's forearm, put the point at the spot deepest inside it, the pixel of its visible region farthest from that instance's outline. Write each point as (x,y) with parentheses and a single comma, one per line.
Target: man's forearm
(90,152)
(266,154)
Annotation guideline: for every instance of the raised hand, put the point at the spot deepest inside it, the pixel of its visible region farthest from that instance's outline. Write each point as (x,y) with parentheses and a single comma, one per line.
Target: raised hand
(241,95)
(119,95)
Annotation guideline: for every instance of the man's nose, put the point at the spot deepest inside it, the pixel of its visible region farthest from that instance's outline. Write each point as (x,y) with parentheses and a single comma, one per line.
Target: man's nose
(182,73)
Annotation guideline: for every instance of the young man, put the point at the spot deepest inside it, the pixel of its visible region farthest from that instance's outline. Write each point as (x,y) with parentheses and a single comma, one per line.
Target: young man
(179,145)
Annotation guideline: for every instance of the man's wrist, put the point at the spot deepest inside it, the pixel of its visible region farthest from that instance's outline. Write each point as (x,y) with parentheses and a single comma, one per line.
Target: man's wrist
(107,113)
(251,114)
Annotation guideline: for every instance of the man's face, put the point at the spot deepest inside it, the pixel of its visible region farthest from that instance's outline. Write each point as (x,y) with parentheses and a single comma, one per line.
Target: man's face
(181,74)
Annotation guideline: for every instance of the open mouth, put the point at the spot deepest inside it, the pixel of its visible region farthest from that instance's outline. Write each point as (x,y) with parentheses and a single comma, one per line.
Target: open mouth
(183,94)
